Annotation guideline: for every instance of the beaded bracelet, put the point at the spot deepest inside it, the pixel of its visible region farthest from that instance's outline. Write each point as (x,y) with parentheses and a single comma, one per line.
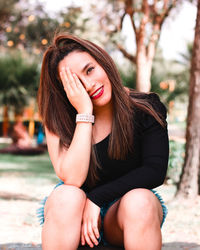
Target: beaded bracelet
(85,118)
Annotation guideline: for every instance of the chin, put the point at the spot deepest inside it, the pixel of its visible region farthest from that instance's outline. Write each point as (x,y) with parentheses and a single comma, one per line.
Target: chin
(103,103)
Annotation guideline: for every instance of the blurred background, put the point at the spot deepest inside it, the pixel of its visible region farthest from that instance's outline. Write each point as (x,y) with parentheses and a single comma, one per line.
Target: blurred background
(155,47)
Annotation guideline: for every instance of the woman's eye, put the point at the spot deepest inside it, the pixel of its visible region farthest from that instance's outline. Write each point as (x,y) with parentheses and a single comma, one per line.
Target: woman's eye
(89,70)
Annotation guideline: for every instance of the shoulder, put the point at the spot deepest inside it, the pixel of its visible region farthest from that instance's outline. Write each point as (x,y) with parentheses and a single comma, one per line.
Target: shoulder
(156,103)
(146,101)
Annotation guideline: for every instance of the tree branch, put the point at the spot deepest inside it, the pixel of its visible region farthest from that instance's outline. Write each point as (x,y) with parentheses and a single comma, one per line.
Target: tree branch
(126,54)
(158,20)
(130,11)
(121,22)
(154,6)
(105,27)
(143,22)
(167,9)
(153,41)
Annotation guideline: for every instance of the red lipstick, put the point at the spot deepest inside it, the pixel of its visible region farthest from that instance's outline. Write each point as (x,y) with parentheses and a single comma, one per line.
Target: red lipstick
(97,93)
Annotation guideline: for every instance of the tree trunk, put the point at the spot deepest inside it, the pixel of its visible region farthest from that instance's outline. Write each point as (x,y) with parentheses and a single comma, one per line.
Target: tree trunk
(189,182)
(143,73)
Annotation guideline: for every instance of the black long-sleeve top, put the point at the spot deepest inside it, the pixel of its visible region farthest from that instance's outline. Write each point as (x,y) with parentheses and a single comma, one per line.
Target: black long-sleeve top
(144,168)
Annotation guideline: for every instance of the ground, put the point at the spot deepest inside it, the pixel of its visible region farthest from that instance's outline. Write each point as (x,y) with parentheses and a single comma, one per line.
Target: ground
(26,180)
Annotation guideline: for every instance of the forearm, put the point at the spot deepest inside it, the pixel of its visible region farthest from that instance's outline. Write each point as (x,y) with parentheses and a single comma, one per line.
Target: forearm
(144,177)
(73,164)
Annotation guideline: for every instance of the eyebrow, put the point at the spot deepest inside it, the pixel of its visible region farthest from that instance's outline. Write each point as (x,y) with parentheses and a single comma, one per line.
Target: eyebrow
(85,67)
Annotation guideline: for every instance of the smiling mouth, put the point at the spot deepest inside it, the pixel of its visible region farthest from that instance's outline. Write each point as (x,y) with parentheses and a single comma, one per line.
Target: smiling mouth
(97,93)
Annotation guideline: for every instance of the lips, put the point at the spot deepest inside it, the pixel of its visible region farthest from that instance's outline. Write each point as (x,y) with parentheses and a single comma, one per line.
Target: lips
(97,93)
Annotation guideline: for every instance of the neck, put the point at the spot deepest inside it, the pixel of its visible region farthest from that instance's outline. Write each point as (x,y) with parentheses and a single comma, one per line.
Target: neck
(103,123)
(103,113)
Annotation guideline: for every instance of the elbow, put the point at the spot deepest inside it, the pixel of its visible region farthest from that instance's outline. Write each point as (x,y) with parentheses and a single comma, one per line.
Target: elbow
(160,180)
(70,177)
(72,181)
(160,172)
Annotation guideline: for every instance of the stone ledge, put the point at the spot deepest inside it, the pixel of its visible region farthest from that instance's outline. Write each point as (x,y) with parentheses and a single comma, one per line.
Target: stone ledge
(21,246)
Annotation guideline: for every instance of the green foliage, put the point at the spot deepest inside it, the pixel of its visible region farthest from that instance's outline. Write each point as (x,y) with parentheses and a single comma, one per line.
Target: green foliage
(34,168)
(33,28)
(163,71)
(18,80)
(29,26)
(41,28)
(6,11)
(128,78)
(182,76)
(71,20)
(176,160)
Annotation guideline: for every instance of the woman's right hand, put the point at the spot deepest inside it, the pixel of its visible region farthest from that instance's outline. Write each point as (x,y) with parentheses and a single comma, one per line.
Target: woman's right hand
(75,92)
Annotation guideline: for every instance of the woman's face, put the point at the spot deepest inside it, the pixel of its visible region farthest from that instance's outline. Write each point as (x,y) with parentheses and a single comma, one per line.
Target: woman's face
(92,76)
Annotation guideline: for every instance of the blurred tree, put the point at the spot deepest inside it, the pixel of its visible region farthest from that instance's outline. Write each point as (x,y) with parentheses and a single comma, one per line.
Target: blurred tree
(6,11)
(182,76)
(189,185)
(166,78)
(147,18)
(171,78)
(18,81)
(30,28)
(39,33)
(72,20)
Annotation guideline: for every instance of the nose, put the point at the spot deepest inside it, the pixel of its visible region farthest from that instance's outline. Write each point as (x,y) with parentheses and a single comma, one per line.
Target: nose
(88,84)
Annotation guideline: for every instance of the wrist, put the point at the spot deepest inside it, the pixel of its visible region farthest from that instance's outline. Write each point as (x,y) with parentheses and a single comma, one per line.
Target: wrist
(88,118)
(85,111)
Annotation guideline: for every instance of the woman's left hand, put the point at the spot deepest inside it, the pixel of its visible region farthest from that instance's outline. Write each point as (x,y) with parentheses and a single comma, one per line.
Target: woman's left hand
(90,231)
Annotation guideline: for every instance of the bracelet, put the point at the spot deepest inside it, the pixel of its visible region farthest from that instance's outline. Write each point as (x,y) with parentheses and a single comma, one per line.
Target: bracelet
(85,118)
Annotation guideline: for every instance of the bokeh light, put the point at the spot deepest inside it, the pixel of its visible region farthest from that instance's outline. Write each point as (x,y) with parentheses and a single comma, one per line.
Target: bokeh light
(10,43)
(67,24)
(8,29)
(22,37)
(31,18)
(164,85)
(44,41)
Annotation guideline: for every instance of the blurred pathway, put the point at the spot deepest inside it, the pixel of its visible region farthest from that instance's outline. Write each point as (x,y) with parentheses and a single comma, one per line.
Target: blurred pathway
(167,246)
(20,229)
(19,196)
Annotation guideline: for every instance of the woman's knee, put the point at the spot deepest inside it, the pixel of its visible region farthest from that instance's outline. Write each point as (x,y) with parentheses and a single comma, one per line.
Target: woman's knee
(65,199)
(139,205)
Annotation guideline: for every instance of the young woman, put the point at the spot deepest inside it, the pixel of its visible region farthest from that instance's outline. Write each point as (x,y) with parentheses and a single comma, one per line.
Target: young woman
(108,145)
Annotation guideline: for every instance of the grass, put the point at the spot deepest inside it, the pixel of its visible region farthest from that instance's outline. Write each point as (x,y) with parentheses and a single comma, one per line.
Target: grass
(39,167)
(33,167)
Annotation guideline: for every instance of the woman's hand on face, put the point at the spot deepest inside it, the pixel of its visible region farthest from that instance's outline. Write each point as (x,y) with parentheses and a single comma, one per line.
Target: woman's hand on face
(90,231)
(75,91)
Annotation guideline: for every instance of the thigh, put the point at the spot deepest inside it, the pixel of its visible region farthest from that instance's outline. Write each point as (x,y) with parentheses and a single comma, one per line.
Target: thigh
(113,234)
(132,203)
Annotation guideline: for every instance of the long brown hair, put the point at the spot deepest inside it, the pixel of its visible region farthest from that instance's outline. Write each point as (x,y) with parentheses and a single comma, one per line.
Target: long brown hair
(58,114)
